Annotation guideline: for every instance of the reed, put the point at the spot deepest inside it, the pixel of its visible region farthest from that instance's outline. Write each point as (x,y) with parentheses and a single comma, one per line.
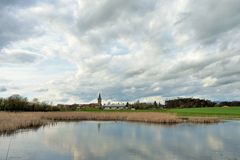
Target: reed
(10,122)
(204,120)
(151,117)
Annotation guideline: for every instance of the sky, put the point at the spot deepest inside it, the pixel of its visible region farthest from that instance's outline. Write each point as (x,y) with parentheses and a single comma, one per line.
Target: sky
(68,51)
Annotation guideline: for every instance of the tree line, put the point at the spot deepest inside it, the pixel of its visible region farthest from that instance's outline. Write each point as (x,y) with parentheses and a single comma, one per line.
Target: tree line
(19,103)
(174,103)
(188,103)
(229,103)
(144,105)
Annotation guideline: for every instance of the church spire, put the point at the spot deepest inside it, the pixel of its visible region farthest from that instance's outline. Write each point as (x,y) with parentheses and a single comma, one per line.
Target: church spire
(99,96)
(99,100)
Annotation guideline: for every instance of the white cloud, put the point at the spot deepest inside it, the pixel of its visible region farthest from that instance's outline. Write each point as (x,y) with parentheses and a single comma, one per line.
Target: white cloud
(209,81)
(125,49)
(215,143)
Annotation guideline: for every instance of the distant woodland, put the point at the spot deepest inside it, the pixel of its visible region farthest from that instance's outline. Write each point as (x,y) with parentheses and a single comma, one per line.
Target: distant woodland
(19,103)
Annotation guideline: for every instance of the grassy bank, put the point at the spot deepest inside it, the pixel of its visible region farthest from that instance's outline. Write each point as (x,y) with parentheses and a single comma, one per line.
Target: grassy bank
(10,122)
(222,112)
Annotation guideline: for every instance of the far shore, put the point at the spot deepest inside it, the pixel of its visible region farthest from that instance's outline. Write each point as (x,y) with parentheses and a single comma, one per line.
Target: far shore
(10,122)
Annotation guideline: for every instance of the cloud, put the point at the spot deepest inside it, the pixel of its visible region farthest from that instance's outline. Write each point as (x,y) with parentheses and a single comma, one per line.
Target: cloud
(125,49)
(17,56)
(155,140)
(215,143)
(15,25)
(3,89)
(206,24)
(107,12)
(209,81)
(42,90)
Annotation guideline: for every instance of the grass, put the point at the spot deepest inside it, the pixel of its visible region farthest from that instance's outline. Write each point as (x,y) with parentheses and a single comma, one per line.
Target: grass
(11,122)
(222,112)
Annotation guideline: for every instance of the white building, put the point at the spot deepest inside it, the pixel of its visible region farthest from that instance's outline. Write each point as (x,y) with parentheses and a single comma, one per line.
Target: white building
(114,106)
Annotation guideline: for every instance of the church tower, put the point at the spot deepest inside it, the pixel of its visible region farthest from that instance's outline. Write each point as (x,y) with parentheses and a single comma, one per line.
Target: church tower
(99,100)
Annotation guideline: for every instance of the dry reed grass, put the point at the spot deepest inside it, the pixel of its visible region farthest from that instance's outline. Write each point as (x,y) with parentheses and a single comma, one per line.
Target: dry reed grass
(150,117)
(10,122)
(204,120)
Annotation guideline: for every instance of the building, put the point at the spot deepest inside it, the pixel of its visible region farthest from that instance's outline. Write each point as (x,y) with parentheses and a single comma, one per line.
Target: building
(96,105)
(68,107)
(113,106)
(99,100)
(117,106)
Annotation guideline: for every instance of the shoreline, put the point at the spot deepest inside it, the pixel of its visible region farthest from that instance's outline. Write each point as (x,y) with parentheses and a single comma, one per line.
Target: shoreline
(11,122)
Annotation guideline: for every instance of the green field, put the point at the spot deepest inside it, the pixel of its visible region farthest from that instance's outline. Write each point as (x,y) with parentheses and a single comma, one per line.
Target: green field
(232,112)
(229,112)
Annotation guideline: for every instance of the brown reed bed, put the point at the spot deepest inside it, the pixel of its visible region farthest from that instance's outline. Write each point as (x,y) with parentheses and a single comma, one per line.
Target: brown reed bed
(150,117)
(204,120)
(10,122)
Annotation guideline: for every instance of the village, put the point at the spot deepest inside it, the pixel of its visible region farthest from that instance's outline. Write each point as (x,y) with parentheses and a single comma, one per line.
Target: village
(98,105)
(154,105)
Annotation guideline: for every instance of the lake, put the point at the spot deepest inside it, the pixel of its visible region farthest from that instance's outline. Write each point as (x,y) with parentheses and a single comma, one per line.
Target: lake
(97,140)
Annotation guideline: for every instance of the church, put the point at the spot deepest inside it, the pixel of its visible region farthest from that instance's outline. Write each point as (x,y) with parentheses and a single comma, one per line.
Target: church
(109,106)
(99,100)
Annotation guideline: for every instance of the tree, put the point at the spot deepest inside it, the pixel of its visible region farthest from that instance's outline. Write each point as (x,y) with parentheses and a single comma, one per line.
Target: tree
(2,106)
(19,103)
(16,103)
(155,104)
(188,103)
(35,101)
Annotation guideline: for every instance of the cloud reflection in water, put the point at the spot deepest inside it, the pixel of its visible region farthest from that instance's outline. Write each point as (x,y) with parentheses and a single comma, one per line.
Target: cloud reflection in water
(122,140)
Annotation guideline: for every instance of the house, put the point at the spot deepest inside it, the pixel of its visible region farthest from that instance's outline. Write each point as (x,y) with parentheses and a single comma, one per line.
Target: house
(92,105)
(117,106)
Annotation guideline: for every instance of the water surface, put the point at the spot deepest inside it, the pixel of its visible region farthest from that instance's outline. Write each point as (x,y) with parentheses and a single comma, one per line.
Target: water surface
(94,140)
